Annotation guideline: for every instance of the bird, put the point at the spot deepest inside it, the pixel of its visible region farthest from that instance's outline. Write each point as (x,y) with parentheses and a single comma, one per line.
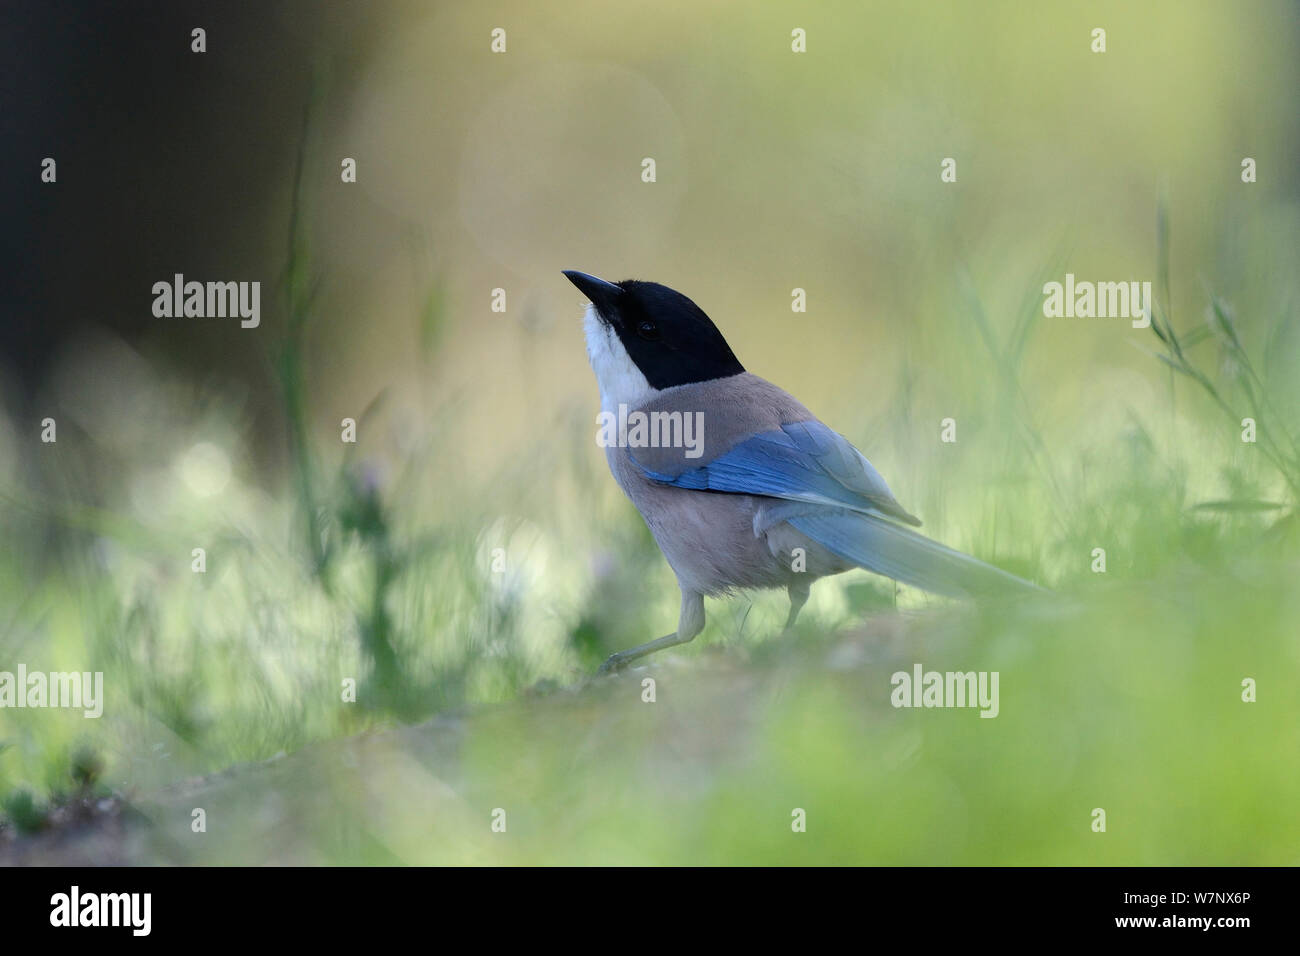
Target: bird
(764,495)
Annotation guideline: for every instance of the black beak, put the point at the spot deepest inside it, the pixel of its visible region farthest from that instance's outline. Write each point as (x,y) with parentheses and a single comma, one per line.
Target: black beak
(603,295)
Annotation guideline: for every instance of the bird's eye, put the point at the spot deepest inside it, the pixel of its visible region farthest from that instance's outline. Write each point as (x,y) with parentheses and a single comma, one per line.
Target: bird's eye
(648,330)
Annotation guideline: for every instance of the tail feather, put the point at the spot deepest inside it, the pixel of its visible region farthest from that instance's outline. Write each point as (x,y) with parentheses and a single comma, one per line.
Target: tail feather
(884,547)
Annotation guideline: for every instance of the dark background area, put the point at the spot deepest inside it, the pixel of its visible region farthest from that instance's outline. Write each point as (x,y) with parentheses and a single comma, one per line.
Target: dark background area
(168,161)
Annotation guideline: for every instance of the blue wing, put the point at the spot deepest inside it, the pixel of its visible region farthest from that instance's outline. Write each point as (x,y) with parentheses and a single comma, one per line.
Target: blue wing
(832,494)
(801,461)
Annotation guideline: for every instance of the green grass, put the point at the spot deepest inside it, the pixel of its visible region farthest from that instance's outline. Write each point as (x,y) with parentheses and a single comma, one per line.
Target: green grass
(1121,691)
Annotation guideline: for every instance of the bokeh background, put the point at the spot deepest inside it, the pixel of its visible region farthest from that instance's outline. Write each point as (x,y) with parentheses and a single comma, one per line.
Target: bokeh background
(775,170)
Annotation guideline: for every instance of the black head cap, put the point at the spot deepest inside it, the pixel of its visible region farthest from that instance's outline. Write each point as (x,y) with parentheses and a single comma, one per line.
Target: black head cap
(667,335)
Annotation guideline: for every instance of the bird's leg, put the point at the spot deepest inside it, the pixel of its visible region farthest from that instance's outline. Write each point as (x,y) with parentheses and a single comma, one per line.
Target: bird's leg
(798,598)
(689,623)
(617,661)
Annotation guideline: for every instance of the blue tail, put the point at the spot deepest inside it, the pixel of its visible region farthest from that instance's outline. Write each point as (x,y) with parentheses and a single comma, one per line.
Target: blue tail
(884,547)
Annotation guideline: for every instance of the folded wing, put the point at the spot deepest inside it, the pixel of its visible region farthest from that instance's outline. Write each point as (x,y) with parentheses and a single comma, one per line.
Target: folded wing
(832,494)
(800,461)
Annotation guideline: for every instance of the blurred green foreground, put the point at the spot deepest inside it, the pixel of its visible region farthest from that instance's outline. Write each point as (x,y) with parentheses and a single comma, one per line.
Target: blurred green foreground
(391,641)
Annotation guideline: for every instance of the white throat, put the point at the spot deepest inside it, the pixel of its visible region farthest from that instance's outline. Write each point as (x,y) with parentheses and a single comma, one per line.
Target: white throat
(620,381)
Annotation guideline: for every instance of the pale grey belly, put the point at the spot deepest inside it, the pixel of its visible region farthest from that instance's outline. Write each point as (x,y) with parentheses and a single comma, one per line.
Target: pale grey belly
(708,537)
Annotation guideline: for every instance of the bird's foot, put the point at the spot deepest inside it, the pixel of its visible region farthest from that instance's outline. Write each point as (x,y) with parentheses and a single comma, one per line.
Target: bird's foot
(613,664)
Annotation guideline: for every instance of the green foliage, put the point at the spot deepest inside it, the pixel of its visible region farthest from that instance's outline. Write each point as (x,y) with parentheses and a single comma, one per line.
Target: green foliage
(378,562)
